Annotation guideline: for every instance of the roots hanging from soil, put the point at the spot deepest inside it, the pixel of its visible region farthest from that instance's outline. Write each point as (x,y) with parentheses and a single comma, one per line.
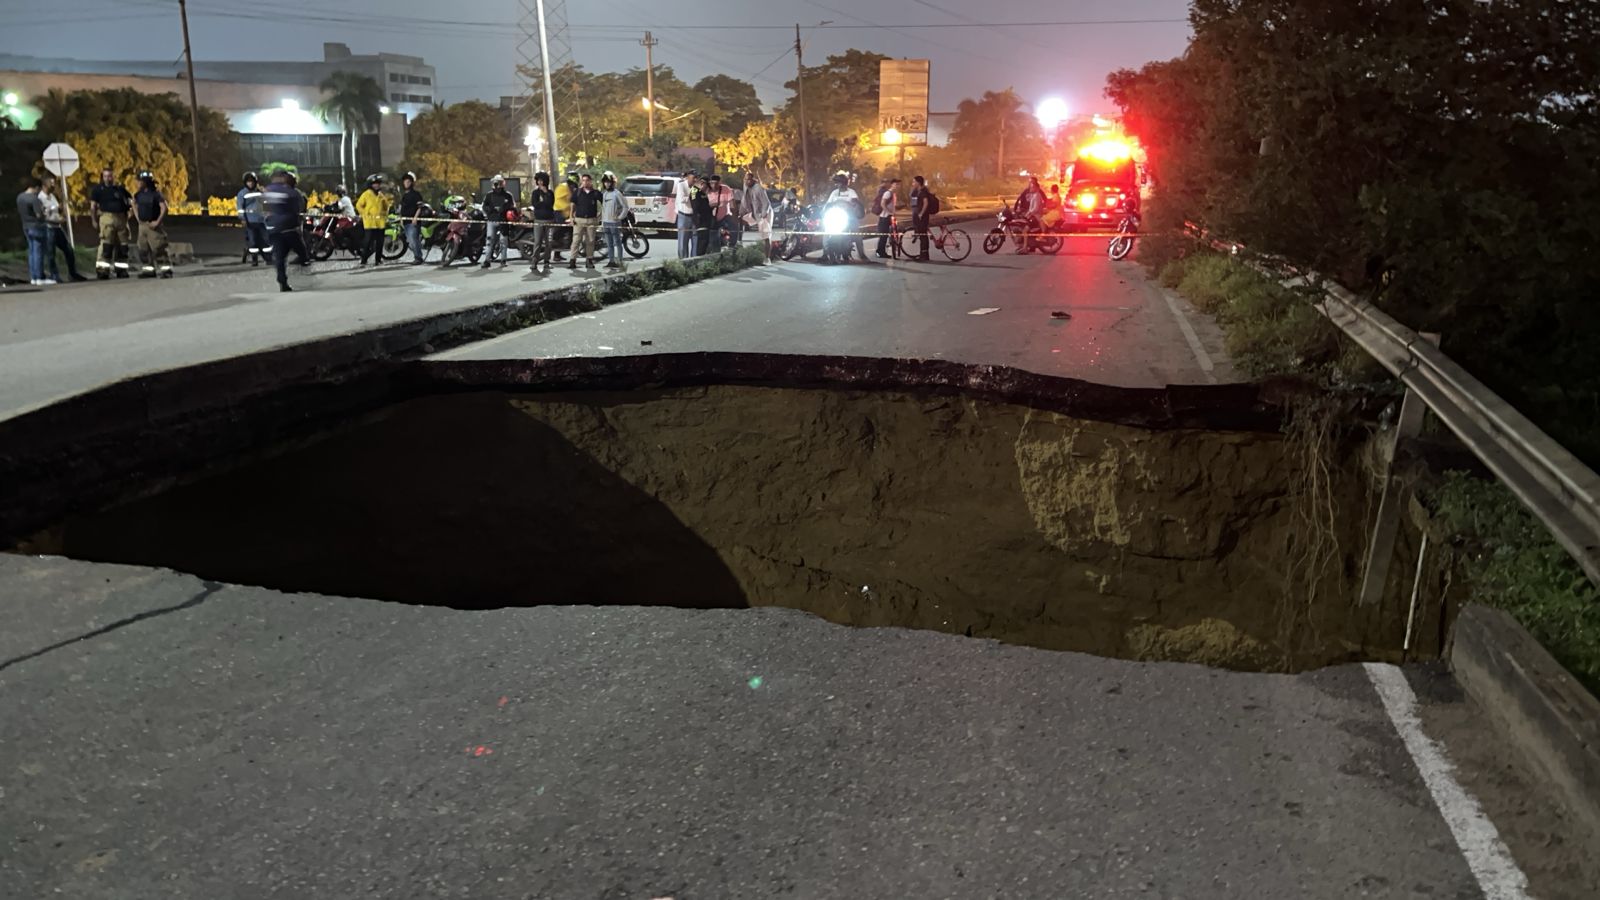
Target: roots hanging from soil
(1313,550)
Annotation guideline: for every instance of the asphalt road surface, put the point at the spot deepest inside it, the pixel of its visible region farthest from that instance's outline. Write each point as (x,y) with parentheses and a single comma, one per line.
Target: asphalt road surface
(1076,314)
(62,341)
(167,737)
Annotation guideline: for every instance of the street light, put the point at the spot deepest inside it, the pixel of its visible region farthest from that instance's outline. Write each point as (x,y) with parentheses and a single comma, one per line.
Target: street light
(383,110)
(533,140)
(10,98)
(1051,112)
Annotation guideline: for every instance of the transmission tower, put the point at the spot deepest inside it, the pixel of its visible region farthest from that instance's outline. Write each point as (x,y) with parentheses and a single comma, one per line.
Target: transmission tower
(528,109)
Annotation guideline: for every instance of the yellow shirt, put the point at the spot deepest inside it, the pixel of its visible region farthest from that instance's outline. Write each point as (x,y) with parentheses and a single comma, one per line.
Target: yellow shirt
(563,202)
(373,208)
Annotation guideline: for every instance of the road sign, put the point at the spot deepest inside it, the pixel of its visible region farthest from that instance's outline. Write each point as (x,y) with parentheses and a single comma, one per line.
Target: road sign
(61,159)
(903,101)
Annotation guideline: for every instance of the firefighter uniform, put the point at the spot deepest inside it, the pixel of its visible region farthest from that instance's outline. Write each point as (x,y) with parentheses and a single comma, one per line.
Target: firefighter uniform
(114,203)
(147,205)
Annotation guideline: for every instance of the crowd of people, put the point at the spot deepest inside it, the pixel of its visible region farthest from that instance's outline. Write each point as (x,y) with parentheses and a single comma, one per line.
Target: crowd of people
(39,207)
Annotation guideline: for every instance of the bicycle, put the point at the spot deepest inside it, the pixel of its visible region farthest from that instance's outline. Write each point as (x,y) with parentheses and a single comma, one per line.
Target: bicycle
(952,242)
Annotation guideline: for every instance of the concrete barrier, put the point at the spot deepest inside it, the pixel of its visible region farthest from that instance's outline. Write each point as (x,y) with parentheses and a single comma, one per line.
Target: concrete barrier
(1537,704)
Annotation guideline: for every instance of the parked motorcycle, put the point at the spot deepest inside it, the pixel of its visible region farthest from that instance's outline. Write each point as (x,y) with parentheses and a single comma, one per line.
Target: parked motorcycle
(331,231)
(635,242)
(1122,244)
(804,238)
(464,236)
(1015,228)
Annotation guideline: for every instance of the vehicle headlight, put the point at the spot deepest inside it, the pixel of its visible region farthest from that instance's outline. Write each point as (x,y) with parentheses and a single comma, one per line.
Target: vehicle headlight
(835,221)
(1113,201)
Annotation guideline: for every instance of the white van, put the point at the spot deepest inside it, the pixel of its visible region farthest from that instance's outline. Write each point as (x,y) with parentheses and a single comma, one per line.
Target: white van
(650,197)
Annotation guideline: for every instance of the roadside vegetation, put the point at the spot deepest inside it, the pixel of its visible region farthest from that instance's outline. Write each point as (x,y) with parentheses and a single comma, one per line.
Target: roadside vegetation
(1435,158)
(1513,564)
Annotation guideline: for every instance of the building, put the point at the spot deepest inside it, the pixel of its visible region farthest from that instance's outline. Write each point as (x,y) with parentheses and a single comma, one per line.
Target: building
(268,103)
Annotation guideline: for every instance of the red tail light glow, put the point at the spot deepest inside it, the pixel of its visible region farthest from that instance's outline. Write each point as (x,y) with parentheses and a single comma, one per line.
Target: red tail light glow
(1086,200)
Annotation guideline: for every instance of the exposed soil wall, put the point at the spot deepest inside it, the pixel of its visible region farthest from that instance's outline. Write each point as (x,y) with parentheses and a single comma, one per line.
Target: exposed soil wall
(866,507)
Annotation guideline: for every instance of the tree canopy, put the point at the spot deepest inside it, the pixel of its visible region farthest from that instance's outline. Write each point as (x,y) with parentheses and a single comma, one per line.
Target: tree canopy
(164,117)
(451,147)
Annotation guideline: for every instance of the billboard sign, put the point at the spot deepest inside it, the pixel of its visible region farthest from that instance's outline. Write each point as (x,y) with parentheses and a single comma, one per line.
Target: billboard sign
(903,102)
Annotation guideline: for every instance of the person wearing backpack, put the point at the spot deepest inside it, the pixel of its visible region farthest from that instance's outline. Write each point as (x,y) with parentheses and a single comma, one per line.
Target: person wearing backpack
(924,206)
(884,206)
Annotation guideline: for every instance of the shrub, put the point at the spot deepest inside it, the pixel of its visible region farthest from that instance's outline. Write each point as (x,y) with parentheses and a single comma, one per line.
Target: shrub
(1514,564)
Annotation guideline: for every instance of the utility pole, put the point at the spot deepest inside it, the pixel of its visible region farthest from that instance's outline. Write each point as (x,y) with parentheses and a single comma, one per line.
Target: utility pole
(194,105)
(800,96)
(650,80)
(549,97)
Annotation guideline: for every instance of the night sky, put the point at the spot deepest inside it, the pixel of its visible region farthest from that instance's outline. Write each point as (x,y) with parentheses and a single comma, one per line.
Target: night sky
(475,52)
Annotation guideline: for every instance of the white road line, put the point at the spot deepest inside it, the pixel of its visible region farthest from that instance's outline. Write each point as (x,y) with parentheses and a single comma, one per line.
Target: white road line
(1486,855)
(1199,350)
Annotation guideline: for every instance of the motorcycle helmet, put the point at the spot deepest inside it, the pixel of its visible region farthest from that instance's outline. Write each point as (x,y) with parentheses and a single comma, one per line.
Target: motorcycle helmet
(498,180)
(841,179)
(340,189)
(249,177)
(455,201)
(148,177)
(411,176)
(374,178)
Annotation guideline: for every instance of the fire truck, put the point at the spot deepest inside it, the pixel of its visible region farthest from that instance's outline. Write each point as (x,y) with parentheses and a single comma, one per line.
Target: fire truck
(1102,186)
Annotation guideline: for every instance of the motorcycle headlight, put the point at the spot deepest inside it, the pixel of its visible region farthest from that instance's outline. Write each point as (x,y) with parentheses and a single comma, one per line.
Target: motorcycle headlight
(835,221)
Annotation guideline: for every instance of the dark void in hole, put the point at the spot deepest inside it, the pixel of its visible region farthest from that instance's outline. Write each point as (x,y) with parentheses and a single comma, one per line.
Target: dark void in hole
(882,507)
(457,503)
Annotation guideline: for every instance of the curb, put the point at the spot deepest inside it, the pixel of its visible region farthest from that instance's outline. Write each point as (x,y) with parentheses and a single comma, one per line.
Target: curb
(1536,704)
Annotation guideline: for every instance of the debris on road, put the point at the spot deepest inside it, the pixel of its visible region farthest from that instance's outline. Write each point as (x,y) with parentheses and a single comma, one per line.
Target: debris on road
(646,343)
(1058,314)
(984,310)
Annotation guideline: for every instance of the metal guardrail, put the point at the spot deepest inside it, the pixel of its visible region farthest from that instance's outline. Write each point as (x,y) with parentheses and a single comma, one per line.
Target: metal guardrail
(1555,485)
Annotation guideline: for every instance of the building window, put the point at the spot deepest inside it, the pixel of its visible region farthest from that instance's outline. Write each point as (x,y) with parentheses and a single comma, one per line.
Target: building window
(398,98)
(393,77)
(426,80)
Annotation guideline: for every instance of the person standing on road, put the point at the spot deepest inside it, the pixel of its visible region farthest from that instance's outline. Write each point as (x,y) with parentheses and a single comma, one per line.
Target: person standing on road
(109,205)
(705,217)
(150,208)
(585,219)
(410,211)
(683,204)
(31,212)
(924,204)
(563,206)
(248,203)
(756,209)
(888,198)
(283,209)
(55,225)
(373,206)
(496,203)
(720,196)
(613,207)
(543,201)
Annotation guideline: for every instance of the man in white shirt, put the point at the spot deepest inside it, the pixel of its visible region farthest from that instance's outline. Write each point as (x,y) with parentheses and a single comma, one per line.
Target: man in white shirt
(843,192)
(886,206)
(681,203)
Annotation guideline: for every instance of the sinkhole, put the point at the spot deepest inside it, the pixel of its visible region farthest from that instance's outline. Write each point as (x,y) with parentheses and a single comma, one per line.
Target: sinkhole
(1168,524)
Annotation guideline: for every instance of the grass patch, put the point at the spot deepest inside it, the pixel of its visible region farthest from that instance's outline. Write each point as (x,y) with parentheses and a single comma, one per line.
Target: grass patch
(1513,564)
(1270,329)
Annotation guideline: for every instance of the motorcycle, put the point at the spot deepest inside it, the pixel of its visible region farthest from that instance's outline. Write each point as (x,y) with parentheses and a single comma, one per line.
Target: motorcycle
(634,241)
(1015,228)
(331,231)
(1122,243)
(464,236)
(804,238)
(394,238)
(838,222)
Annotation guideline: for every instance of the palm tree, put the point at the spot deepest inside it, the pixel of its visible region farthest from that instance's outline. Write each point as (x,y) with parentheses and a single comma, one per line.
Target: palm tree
(352,101)
(989,118)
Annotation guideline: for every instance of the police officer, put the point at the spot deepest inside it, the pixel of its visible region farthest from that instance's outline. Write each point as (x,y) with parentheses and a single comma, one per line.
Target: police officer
(496,203)
(109,205)
(150,208)
(248,202)
(284,208)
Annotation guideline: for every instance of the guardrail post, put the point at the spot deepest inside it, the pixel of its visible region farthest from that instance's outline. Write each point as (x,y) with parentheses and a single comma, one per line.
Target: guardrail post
(1380,549)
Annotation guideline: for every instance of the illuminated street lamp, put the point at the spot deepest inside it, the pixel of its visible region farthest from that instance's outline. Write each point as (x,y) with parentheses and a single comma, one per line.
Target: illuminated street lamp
(893,138)
(1051,112)
(533,140)
(10,98)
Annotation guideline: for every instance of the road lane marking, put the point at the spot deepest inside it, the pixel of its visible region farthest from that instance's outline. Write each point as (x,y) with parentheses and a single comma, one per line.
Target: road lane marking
(1486,855)
(1199,350)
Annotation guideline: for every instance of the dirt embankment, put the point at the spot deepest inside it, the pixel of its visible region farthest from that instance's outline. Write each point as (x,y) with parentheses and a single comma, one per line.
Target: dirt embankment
(867,508)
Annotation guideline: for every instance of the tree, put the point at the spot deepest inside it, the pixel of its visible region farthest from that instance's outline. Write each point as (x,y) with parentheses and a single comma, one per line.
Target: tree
(841,109)
(736,99)
(984,127)
(473,134)
(768,146)
(163,116)
(127,152)
(353,101)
